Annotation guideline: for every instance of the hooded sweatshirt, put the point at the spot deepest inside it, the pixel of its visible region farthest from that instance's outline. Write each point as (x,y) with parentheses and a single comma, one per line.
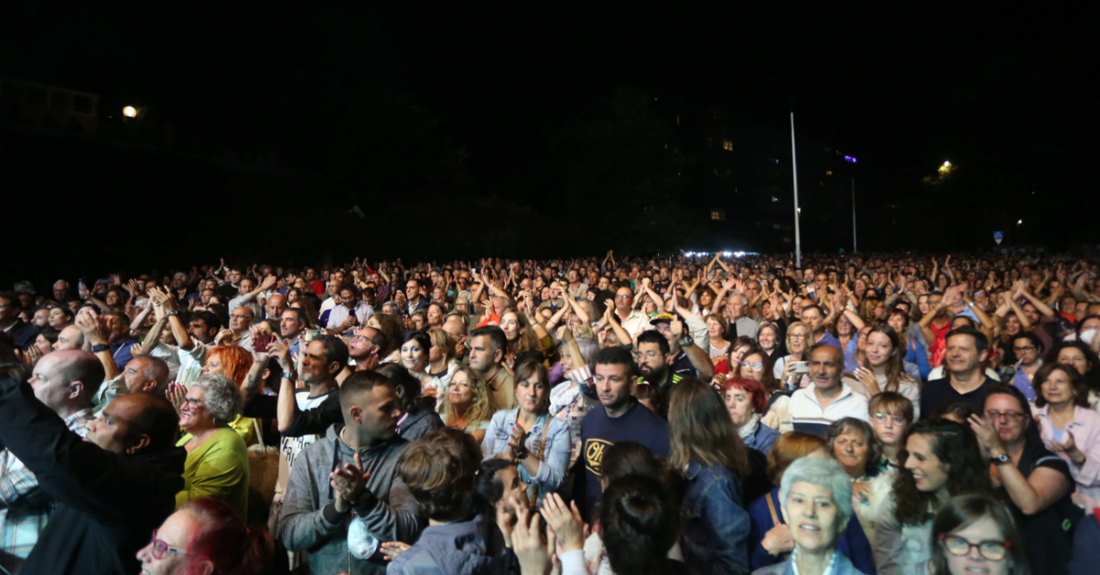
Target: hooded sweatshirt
(309,522)
(470,547)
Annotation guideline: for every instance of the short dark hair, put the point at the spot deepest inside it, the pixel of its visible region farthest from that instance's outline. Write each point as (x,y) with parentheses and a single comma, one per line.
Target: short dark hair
(212,321)
(349,287)
(640,523)
(159,420)
(299,315)
(981,343)
(439,470)
(654,336)
(12,297)
(1030,337)
(404,381)
(488,488)
(616,356)
(335,350)
(497,339)
(359,383)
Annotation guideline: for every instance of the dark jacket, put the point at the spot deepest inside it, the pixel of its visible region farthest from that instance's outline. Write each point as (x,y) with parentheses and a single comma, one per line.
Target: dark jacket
(716,526)
(108,504)
(418,423)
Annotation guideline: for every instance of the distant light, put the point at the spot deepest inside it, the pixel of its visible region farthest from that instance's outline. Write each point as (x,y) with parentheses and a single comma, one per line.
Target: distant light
(727,254)
(1019,222)
(129,112)
(849,159)
(739,254)
(800,210)
(689,254)
(947,164)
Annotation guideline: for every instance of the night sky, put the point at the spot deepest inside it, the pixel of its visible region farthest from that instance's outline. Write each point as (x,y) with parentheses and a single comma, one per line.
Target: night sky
(1006,92)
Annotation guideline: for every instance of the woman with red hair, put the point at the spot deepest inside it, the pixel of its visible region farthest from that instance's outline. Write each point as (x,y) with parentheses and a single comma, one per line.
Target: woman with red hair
(233,362)
(746,401)
(206,537)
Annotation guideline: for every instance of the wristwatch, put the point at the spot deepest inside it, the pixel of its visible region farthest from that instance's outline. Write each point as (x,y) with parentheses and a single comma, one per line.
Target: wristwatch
(172,313)
(1001,459)
(686,341)
(100,347)
(291,375)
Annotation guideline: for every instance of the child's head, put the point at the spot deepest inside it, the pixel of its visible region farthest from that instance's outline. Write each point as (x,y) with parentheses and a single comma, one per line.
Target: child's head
(439,470)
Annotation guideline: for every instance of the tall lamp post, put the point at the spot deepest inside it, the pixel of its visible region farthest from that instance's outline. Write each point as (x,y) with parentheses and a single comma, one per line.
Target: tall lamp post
(797,232)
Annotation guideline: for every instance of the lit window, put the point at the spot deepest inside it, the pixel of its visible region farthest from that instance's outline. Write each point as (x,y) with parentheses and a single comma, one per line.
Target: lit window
(718,215)
(727,145)
(775,200)
(827,172)
(677,119)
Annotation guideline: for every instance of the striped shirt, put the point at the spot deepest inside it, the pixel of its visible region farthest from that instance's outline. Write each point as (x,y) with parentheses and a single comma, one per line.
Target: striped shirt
(24,506)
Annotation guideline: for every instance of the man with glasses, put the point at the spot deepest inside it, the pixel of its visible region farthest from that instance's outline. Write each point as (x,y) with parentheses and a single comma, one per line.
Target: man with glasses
(685,357)
(1028,348)
(966,380)
(632,320)
(653,365)
(240,320)
(112,487)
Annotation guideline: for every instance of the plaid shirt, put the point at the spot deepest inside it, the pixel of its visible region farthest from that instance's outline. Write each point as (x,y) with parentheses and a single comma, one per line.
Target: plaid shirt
(24,506)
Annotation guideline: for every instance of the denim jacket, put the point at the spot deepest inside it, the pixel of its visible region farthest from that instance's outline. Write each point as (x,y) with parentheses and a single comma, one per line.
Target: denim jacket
(715,525)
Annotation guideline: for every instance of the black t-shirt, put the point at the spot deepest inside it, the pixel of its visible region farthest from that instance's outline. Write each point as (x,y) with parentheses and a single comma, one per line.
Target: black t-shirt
(599,432)
(939,392)
(1047,535)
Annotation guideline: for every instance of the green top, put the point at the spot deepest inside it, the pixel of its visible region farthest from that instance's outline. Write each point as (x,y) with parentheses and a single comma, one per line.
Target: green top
(218,469)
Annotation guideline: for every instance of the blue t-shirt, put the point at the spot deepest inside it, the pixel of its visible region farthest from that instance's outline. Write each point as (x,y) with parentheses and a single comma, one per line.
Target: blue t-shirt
(599,432)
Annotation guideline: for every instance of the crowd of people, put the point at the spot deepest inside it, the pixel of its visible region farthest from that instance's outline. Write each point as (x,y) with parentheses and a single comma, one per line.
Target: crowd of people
(875,414)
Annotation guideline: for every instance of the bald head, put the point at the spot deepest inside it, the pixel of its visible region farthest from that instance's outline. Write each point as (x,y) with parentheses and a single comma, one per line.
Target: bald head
(276,304)
(70,338)
(135,423)
(67,380)
(145,373)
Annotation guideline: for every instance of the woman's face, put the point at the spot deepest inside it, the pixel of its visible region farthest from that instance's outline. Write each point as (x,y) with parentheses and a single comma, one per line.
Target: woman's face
(752,366)
(811,511)
(413,356)
(922,304)
(796,340)
(545,293)
(1075,357)
(1012,324)
(850,450)
(984,531)
(193,413)
(44,346)
(515,490)
(57,319)
(738,354)
(1007,417)
(714,329)
(176,532)
(436,353)
(706,300)
(767,338)
(459,391)
(112,298)
(418,322)
(739,403)
(844,327)
(510,325)
(531,394)
(880,311)
(1057,388)
(435,317)
(890,427)
(879,349)
(861,343)
(897,323)
(929,473)
(213,365)
(648,307)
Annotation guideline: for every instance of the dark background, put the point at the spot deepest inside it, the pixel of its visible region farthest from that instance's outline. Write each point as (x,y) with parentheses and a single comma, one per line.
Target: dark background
(462,131)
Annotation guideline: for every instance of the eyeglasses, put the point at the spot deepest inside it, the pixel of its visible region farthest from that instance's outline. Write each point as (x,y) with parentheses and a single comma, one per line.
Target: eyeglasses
(622,297)
(883,418)
(796,336)
(1014,416)
(248,317)
(160,547)
(753,365)
(991,550)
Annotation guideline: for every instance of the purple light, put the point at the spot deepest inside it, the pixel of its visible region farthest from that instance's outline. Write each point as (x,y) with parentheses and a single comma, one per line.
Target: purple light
(849,159)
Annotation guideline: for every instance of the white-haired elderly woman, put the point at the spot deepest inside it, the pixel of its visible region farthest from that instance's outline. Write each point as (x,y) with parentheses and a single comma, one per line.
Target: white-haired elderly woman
(217,458)
(815,495)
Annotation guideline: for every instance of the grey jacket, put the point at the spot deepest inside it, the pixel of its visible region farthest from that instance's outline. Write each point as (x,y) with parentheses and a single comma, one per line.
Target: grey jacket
(471,547)
(309,522)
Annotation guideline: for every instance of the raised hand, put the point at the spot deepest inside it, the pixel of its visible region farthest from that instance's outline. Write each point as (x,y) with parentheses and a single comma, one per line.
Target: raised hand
(348,484)
(176,393)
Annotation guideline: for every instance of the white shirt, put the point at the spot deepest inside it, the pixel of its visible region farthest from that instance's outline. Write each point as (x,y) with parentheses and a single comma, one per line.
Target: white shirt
(806,414)
(635,323)
(340,313)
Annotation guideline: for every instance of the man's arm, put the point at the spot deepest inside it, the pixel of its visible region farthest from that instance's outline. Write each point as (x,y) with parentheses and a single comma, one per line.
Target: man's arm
(96,334)
(77,473)
(301,526)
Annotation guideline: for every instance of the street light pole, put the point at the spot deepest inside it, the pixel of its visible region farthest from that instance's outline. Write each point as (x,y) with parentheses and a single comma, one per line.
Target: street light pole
(855,248)
(797,234)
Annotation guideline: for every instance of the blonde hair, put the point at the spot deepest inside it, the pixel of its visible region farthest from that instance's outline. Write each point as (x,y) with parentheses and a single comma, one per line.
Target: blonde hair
(809,336)
(442,340)
(481,407)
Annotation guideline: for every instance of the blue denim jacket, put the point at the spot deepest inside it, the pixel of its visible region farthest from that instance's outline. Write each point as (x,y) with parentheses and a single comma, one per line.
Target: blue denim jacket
(715,525)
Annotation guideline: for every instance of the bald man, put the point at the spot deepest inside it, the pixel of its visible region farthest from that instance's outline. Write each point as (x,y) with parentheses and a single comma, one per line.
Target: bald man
(63,381)
(143,374)
(827,399)
(111,488)
(275,306)
(70,338)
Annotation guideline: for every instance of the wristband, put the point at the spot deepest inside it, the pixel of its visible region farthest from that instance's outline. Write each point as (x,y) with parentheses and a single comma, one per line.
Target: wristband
(290,375)
(100,347)
(172,313)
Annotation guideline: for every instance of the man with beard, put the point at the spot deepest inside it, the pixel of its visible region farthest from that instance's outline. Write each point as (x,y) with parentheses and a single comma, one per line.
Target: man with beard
(653,365)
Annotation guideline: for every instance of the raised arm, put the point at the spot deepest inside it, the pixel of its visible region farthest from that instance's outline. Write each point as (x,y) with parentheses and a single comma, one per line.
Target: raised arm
(96,334)
(1039,305)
